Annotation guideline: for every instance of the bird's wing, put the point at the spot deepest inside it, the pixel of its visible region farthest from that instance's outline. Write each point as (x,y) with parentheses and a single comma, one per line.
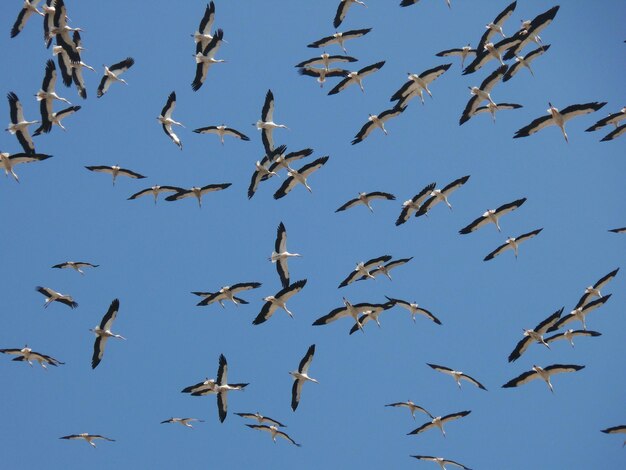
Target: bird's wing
(143,192)
(296,391)
(520,348)
(122,66)
(333,315)
(222,405)
(470,109)
(243,286)
(497,251)
(109,317)
(558,368)
(580,109)
(303,367)
(376,261)
(309,168)
(511,206)
(168,109)
(201,70)
(453,416)
(534,126)
(222,371)
(266,312)
(98,350)
(473,380)
(422,428)
(493,78)
(131,174)
(349,204)
(267,113)
(439,368)
(431,74)
(285,188)
(546,324)
(512,70)
(280,245)
(521,379)
(342,9)
(285,436)
(364,132)
(381,195)
(475,225)
(207,19)
(603,281)
(614,134)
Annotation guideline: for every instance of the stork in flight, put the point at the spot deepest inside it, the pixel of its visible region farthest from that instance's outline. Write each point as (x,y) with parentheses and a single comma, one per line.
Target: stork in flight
(155,191)
(300,376)
(442,462)
(579,313)
(457,375)
(411,406)
(535,336)
(414,309)
(221,131)
(594,290)
(30,7)
(512,243)
(365,199)
(356,77)
(299,176)
(496,25)
(321,74)
(87,437)
(222,387)
(55,118)
(493,108)
(112,74)
(227,293)
(616,430)
(197,192)
(203,35)
(8,161)
(279,300)
(75,265)
(439,195)
(274,432)
(165,118)
(351,310)
(184,421)
(18,125)
(414,204)
(261,419)
(115,171)
(417,84)
(205,58)
(339,38)
(266,124)
(378,120)
(280,255)
(482,93)
(570,334)
(103,333)
(438,422)
(462,52)
(524,62)
(53,296)
(28,355)
(544,373)
(385,268)
(363,269)
(342,10)
(492,215)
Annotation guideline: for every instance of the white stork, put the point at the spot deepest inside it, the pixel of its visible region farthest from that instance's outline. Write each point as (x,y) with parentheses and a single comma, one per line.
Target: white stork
(325,59)
(371,314)
(493,108)
(613,118)
(440,460)
(279,300)
(203,35)
(222,387)
(87,437)
(261,173)
(227,293)
(365,199)
(75,265)
(184,421)
(155,191)
(18,125)
(385,268)
(348,310)
(558,118)
(530,30)
(103,333)
(28,355)
(457,375)
(462,52)
(280,255)
(492,215)
(8,161)
(438,422)
(278,159)
(579,313)
(205,58)
(356,77)
(439,195)
(489,52)
(165,118)
(300,376)
(342,9)
(414,204)
(414,309)
(266,124)
(112,74)
(570,334)
(512,243)
(417,84)
(411,406)
(496,25)
(524,62)
(340,38)
(197,192)
(363,269)
(115,171)
(299,176)
(378,121)
(46,94)
(53,296)
(274,431)
(55,118)
(594,290)
(30,7)
(221,131)
(544,373)
(482,93)
(261,419)
(535,336)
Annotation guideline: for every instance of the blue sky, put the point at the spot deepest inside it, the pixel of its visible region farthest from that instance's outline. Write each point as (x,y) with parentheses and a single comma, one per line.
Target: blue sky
(152,257)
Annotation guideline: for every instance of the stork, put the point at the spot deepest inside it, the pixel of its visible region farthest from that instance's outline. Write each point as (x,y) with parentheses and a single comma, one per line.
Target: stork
(411,406)
(493,216)
(570,334)
(414,204)
(366,199)
(274,431)
(544,373)
(385,268)
(227,293)
(87,437)
(18,125)
(482,93)
(112,74)
(197,192)
(30,7)
(535,336)
(103,333)
(594,290)
(266,124)
(55,118)
(261,419)
(28,355)
(184,421)
(529,32)
(203,35)
(349,310)
(325,59)
(579,313)
(489,52)
(278,300)
(300,376)
(438,422)
(53,296)
(442,462)
(363,269)
(462,52)
(414,309)
(524,62)
(155,191)
(439,195)
(321,74)
(165,118)
(8,161)
(379,120)
(280,255)
(75,265)
(222,387)
(496,25)
(205,58)
(356,77)
(616,430)
(417,84)
(370,314)
(457,375)
(299,176)
(512,243)
(492,108)
(342,9)
(115,171)
(340,38)
(221,131)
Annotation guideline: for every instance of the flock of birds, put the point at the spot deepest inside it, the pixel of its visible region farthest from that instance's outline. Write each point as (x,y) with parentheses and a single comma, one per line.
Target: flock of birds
(68,52)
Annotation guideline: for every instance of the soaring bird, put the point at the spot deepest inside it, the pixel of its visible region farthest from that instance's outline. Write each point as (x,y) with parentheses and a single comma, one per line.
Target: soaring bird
(363,269)
(325,59)
(299,176)
(165,118)
(613,118)
(594,290)
(300,376)
(53,296)
(462,52)
(535,335)
(570,334)
(417,84)
(370,314)
(579,313)
(496,26)
(18,125)
(221,131)
(227,293)
(365,199)
(558,118)
(441,195)
(28,355)
(482,93)
(614,134)
(322,74)
(115,171)
(512,243)
(411,406)
(280,255)
(489,52)
(457,375)
(492,215)
(184,421)
(356,77)
(55,118)
(529,32)
(205,58)
(46,95)
(385,268)
(274,431)
(261,419)
(222,387)
(524,62)
(103,333)
(197,192)
(350,310)
(544,373)
(439,421)
(340,38)
(155,191)
(87,437)
(414,204)
(493,108)
(378,120)
(75,265)
(414,309)
(112,74)
(279,300)
(30,7)
(8,161)
(342,9)
(266,124)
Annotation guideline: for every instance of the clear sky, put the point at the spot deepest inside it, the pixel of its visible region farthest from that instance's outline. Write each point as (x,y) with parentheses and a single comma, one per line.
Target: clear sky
(152,256)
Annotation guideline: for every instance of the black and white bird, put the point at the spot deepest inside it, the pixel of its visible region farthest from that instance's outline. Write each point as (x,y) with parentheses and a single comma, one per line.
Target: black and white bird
(342,9)
(197,192)
(261,419)
(414,309)
(482,93)
(535,336)
(55,118)
(461,52)
(570,334)
(613,118)
(227,293)
(325,59)
(205,58)
(221,131)
(18,125)
(53,296)
(363,269)
(496,26)
(203,35)
(365,199)
(8,161)
(413,205)
(369,315)
(594,290)
(440,461)
(155,191)
(300,376)
(512,243)
(385,268)
(356,77)
(418,84)
(579,313)
(274,432)
(165,118)
(411,406)
(87,437)
(266,124)
(46,95)
(529,32)
(558,118)
(489,52)
(441,195)
(524,62)
(438,422)
(493,216)
(28,355)
(616,430)
(279,159)
(222,387)
(349,310)
(457,375)
(75,265)
(30,7)
(544,373)
(340,38)
(279,300)
(493,108)
(321,74)
(184,421)
(299,176)
(280,255)
(115,171)
(103,333)
(112,74)
(378,120)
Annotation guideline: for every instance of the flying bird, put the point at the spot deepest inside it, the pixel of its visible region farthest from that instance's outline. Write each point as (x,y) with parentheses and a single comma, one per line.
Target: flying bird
(340,38)
(155,191)
(274,431)
(299,176)
(203,35)
(496,26)
(440,460)
(221,131)
(414,309)
(112,74)
(165,118)
(439,195)
(438,422)
(356,77)
(411,406)
(349,310)
(524,62)
(115,171)
(103,333)
(87,437)
(492,215)
(342,9)
(462,52)
(46,95)
(370,314)
(489,52)
(227,293)
(28,355)
(558,118)
(512,243)
(300,376)
(613,118)
(184,421)
(222,387)
(197,192)
(30,7)
(266,124)
(53,296)
(579,313)
(363,269)
(55,118)
(205,58)
(385,268)
(261,419)
(594,290)
(378,121)
(8,161)
(542,373)
(618,230)
(535,336)
(570,334)
(482,93)
(365,199)
(76,265)
(279,300)
(280,255)
(457,375)
(529,32)
(325,59)
(414,204)
(18,125)
(417,84)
